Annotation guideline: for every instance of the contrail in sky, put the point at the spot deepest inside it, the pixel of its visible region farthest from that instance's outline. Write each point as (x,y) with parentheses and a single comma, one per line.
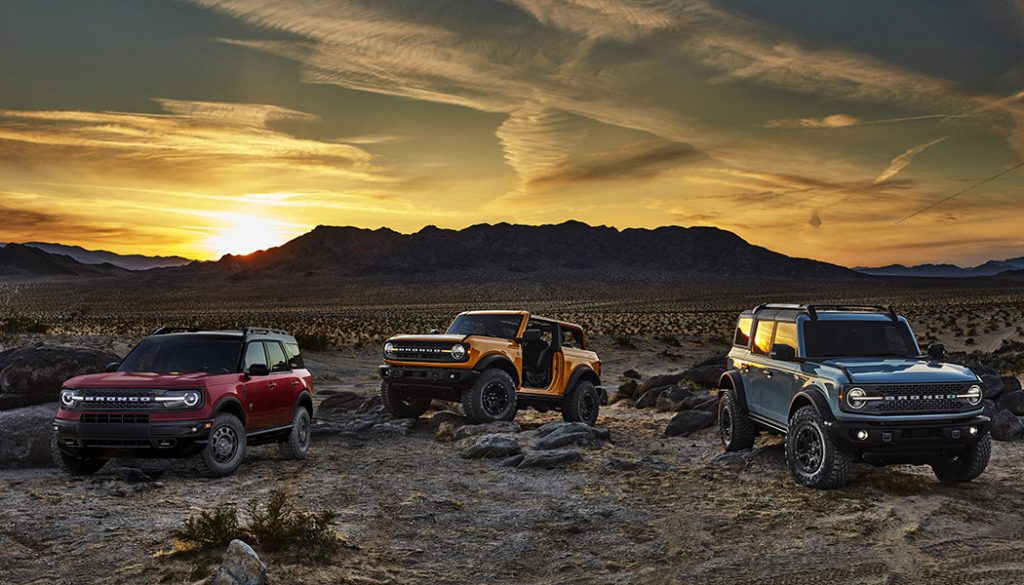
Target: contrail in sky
(961,192)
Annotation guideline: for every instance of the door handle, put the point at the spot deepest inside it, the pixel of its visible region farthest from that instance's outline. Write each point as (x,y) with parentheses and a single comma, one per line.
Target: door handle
(767,373)
(296,383)
(272,385)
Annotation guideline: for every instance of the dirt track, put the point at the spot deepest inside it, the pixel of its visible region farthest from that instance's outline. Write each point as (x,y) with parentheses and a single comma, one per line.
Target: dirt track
(643,509)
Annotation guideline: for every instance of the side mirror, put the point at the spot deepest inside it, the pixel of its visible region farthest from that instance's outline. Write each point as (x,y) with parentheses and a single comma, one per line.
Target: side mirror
(531,335)
(258,370)
(111,367)
(937,351)
(435,331)
(783,352)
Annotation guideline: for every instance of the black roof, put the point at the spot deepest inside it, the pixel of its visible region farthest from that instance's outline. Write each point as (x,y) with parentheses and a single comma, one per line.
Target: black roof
(789,312)
(245,334)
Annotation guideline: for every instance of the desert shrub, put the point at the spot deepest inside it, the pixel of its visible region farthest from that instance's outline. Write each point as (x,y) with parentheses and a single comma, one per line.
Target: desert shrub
(12,325)
(314,341)
(274,526)
(623,342)
(214,529)
(668,339)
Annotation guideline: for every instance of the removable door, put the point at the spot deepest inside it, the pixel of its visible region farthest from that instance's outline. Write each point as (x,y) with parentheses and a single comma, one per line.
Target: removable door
(283,383)
(755,372)
(781,383)
(261,400)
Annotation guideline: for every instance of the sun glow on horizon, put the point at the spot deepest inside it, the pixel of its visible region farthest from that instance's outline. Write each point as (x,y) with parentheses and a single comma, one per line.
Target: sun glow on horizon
(247,234)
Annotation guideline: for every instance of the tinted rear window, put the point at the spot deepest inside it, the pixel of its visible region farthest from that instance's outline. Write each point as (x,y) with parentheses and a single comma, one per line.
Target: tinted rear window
(785,334)
(742,337)
(824,339)
(763,337)
(294,357)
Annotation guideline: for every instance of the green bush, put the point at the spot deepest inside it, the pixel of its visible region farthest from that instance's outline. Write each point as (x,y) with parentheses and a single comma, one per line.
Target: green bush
(274,526)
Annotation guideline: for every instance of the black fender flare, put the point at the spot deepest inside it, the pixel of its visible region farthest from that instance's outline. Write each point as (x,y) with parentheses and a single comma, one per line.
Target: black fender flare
(500,361)
(812,395)
(305,399)
(583,372)
(735,381)
(224,403)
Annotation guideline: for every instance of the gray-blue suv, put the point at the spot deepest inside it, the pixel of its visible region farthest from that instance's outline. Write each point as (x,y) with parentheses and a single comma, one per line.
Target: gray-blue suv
(848,384)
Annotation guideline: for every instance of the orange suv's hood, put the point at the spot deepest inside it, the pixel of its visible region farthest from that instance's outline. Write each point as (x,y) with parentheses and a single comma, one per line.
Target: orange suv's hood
(138,380)
(434,338)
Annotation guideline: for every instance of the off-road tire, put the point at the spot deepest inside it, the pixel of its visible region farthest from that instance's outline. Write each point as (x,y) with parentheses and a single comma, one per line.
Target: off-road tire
(72,465)
(734,425)
(480,403)
(297,444)
(215,460)
(581,403)
(966,466)
(831,469)
(400,404)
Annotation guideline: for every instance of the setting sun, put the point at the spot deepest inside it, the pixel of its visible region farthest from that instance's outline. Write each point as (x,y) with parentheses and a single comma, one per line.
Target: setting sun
(245,234)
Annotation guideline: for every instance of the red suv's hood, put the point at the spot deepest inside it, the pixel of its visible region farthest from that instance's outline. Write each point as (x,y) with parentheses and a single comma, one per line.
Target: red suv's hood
(138,380)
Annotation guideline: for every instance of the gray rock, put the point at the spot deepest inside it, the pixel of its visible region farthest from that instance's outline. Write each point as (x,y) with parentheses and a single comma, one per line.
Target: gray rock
(1006,426)
(501,426)
(34,375)
(549,459)
(25,436)
(649,398)
(491,446)
(339,404)
(240,566)
(631,374)
(512,461)
(601,433)
(992,386)
(626,390)
(689,421)
(659,382)
(1011,383)
(1011,401)
(706,376)
(990,408)
(677,393)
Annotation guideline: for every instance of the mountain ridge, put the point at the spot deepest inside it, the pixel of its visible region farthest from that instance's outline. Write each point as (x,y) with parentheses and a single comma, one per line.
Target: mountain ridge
(127,261)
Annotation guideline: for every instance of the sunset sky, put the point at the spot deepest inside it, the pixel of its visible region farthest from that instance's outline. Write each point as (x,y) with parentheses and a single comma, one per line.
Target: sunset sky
(844,132)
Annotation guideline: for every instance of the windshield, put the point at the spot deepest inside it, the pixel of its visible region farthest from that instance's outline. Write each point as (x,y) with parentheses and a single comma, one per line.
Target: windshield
(503,326)
(831,339)
(183,356)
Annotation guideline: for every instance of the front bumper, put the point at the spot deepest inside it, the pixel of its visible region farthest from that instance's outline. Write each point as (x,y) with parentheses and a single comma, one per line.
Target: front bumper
(428,377)
(909,440)
(172,438)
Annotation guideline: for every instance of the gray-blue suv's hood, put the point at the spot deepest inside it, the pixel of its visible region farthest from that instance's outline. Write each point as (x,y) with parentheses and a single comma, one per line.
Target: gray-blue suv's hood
(902,371)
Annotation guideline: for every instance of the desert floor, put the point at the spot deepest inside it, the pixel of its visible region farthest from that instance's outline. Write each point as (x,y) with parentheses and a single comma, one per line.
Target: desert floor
(641,509)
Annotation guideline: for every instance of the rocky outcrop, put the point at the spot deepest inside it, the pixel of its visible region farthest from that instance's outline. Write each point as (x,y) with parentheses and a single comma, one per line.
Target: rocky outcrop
(33,375)
(240,566)
(688,422)
(1006,426)
(25,436)
(491,446)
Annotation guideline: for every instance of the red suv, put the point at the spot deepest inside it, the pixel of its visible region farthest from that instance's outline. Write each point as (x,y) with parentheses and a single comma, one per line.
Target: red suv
(188,393)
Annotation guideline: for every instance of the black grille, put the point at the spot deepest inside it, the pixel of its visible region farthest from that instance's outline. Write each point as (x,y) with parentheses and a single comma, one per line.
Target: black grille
(921,397)
(116,418)
(422,352)
(117,443)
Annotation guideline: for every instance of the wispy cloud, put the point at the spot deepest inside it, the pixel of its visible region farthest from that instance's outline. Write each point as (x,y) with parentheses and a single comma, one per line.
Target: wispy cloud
(833,121)
(900,162)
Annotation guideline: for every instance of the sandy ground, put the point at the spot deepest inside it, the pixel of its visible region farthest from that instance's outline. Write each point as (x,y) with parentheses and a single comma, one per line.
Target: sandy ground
(642,509)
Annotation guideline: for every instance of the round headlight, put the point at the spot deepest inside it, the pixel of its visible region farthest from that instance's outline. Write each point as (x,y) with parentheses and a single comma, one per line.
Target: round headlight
(975,395)
(67,398)
(190,398)
(389,350)
(855,398)
(458,351)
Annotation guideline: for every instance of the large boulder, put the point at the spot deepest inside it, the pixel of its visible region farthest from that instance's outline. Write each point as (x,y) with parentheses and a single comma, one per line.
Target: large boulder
(490,446)
(660,381)
(1006,426)
(557,435)
(1011,383)
(501,426)
(34,375)
(705,376)
(240,566)
(1011,401)
(25,436)
(338,404)
(688,422)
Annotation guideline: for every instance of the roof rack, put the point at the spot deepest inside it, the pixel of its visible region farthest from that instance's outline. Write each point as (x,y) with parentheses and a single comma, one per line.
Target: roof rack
(812,310)
(166,330)
(261,331)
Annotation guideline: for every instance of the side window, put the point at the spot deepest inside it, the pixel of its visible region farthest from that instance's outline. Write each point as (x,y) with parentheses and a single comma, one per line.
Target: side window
(546,330)
(278,361)
(572,338)
(763,337)
(294,357)
(785,334)
(742,337)
(254,354)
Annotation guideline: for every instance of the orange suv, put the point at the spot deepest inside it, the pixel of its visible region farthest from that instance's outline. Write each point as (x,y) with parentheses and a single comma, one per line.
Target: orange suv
(495,363)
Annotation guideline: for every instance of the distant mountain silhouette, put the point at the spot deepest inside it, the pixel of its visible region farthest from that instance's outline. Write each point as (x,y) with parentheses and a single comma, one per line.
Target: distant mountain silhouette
(25,261)
(990,268)
(128,261)
(506,251)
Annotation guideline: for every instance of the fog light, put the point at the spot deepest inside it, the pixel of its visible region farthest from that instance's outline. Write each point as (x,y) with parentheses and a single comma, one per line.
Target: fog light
(453,376)
(862,435)
(207,425)
(973,431)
